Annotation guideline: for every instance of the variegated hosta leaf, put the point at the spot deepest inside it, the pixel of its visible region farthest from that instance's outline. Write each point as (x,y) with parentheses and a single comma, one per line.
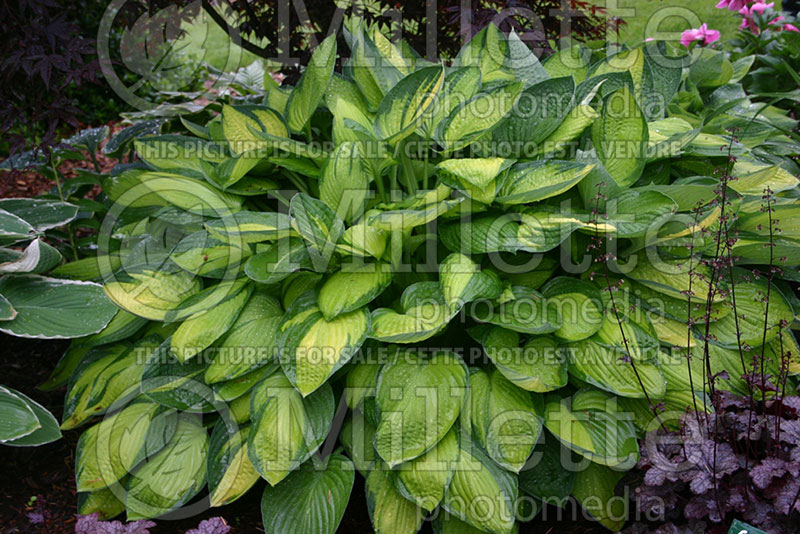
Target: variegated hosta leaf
(425,315)
(418,401)
(620,137)
(173,475)
(424,479)
(680,278)
(406,104)
(638,213)
(390,512)
(25,422)
(573,125)
(667,137)
(525,311)
(38,257)
(580,305)
(502,418)
(538,180)
(463,281)
(103,502)
(199,331)
(41,214)
(230,473)
(249,227)
(594,489)
(478,479)
(239,122)
(203,255)
(284,257)
(176,384)
(460,85)
(312,348)
(357,436)
(319,225)
(591,424)
(537,366)
(297,284)
(353,287)
(286,428)
(412,216)
(153,294)
(363,240)
(311,499)
(476,176)
(753,178)
(191,194)
(237,387)
(344,184)
(309,91)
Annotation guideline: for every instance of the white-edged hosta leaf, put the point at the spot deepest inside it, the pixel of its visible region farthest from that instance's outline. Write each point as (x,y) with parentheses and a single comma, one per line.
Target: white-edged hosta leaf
(620,137)
(424,479)
(49,308)
(230,473)
(18,418)
(390,512)
(14,228)
(7,311)
(405,105)
(38,257)
(537,180)
(41,214)
(250,227)
(418,400)
(286,428)
(344,184)
(353,287)
(312,348)
(311,499)
(308,93)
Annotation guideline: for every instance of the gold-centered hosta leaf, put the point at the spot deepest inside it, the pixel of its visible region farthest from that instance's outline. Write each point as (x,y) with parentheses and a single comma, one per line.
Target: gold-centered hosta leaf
(405,105)
(309,91)
(476,176)
(344,185)
(353,287)
(230,472)
(537,180)
(418,400)
(390,512)
(620,137)
(424,479)
(463,281)
(425,315)
(312,348)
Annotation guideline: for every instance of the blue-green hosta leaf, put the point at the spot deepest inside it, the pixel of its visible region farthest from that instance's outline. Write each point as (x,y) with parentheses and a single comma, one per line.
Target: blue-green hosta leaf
(478,116)
(38,257)
(309,91)
(285,256)
(312,348)
(620,137)
(405,105)
(523,62)
(478,479)
(172,476)
(710,68)
(286,428)
(230,473)
(476,176)
(501,418)
(49,308)
(424,479)
(463,281)
(425,315)
(240,124)
(527,312)
(590,424)
(594,489)
(190,194)
(41,214)
(200,330)
(319,225)
(580,306)
(310,499)
(480,235)
(537,366)
(153,295)
(344,185)
(418,401)
(609,368)
(538,180)
(353,287)
(390,512)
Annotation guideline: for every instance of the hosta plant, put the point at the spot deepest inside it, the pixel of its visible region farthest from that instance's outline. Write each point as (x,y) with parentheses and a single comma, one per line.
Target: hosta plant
(476,284)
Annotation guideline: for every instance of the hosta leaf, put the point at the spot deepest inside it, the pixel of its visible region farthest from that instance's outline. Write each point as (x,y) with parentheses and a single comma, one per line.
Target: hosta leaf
(319,225)
(753,179)
(537,366)
(309,91)
(580,306)
(286,428)
(41,214)
(424,479)
(239,122)
(153,295)
(636,213)
(389,511)
(631,61)
(590,424)
(122,326)
(528,312)
(460,84)
(201,254)
(667,137)
(178,153)
(594,490)
(344,185)
(190,194)
(620,137)
(103,502)
(408,218)
(176,384)
(463,281)
(173,475)
(310,499)
(363,240)
(284,257)
(575,122)
(538,180)
(353,287)
(38,257)
(13,228)
(501,418)
(49,308)
(478,479)
(356,436)
(418,400)
(682,279)
(425,315)
(7,311)
(250,227)
(405,105)
(47,429)
(312,348)
(230,473)
(18,418)
(476,175)
(545,476)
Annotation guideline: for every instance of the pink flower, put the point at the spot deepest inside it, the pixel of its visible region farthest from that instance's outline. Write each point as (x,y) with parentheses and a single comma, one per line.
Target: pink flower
(776,20)
(733,5)
(790,28)
(760,6)
(699,34)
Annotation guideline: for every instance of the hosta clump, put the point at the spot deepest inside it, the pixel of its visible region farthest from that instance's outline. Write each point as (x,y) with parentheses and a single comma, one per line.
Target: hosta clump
(357,237)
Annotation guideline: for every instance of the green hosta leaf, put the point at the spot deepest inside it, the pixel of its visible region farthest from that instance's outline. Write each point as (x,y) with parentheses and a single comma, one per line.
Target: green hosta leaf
(470,121)
(580,305)
(356,436)
(13,228)
(607,368)
(344,185)
(620,137)
(389,511)
(710,68)
(122,326)
(591,424)
(190,194)
(310,499)
(41,214)
(250,227)
(567,62)
(309,91)
(318,224)
(448,524)
(463,281)
(476,175)
(523,62)
(200,330)
(682,279)
(18,418)
(237,387)
(418,400)
(479,479)
(424,479)
(230,473)
(173,475)
(528,312)
(297,284)
(537,366)
(501,418)
(353,287)
(49,308)
(284,257)
(313,348)
(488,49)
(537,180)
(594,489)
(153,295)
(7,311)
(636,213)
(545,476)
(405,105)
(176,384)
(47,429)
(425,314)
(574,123)
(286,428)
(38,257)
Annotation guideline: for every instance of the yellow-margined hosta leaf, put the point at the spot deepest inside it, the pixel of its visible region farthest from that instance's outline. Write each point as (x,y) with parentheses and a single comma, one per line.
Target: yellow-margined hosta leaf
(309,91)
(230,473)
(502,418)
(313,348)
(537,180)
(476,176)
(178,153)
(424,479)
(463,281)
(353,287)
(390,512)
(667,137)
(425,315)
(297,284)
(344,185)
(418,400)
(620,137)
(580,305)
(405,105)
(286,428)
(310,499)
